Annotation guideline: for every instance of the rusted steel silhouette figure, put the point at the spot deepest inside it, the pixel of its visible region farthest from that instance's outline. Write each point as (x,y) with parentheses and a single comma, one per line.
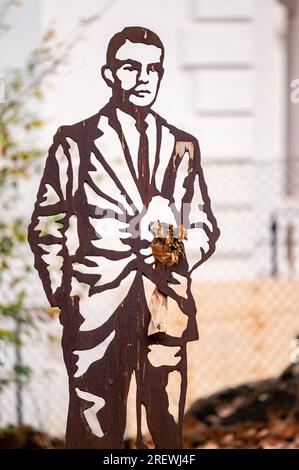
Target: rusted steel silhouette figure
(106,202)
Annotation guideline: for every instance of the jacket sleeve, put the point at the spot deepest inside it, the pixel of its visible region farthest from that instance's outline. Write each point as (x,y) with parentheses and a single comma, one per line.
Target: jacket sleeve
(46,232)
(198,217)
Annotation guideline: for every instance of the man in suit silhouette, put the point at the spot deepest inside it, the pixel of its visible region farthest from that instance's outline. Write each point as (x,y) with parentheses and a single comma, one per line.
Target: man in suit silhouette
(106,178)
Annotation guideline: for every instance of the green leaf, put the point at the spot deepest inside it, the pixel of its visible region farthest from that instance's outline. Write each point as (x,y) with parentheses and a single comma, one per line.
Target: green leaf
(6,245)
(7,335)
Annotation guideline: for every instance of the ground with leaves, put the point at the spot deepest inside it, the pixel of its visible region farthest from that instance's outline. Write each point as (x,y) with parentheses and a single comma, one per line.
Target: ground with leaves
(263,415)
(25,437)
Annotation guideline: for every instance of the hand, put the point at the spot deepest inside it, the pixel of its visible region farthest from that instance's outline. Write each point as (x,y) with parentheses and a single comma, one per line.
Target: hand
(165,257)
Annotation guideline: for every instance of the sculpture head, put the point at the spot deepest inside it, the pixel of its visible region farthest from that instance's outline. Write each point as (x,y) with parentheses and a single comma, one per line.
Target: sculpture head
(134,67)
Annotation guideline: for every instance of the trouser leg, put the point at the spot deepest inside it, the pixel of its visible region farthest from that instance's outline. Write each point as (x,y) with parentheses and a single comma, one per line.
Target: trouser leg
(97,406)
(165,430)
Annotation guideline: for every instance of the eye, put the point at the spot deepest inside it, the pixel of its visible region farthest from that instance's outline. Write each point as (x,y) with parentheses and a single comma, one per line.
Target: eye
(154,68)
(128,67)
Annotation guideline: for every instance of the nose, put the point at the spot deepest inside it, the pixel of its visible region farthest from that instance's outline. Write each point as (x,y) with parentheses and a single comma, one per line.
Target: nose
(143,75)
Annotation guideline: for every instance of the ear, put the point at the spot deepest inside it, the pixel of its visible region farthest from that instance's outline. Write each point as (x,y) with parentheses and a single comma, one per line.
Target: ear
(107,75)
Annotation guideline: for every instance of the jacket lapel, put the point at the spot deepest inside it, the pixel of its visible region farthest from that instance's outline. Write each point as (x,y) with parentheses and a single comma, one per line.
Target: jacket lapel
(113,170)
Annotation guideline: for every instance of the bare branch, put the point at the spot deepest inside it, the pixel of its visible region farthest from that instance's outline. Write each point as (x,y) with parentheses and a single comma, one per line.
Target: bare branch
(6,5)
(66,47)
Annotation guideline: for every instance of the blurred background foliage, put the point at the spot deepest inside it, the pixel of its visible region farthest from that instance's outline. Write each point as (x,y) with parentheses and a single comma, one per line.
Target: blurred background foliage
(20,156)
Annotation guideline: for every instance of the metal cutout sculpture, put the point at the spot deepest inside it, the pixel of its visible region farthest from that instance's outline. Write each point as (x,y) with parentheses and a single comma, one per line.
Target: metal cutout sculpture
(110,208)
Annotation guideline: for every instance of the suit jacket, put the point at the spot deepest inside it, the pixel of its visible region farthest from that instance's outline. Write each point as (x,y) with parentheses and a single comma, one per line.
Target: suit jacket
(89,212)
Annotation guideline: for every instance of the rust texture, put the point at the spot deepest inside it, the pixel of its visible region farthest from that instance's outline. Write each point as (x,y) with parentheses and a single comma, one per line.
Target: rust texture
(98,394)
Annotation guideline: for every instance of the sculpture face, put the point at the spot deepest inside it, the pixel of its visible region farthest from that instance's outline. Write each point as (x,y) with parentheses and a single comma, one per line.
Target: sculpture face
(138,73)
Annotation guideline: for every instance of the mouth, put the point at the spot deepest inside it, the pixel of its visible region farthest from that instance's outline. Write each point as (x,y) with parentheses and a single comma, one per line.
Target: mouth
(141,92)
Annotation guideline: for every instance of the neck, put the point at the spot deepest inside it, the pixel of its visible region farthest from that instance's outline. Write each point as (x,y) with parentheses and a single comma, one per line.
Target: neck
(137,112)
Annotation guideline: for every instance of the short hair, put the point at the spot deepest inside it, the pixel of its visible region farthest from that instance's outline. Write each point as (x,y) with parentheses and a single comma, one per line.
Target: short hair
(136,34)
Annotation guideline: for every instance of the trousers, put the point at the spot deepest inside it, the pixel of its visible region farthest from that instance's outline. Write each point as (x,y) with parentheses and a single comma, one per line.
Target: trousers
(98,397)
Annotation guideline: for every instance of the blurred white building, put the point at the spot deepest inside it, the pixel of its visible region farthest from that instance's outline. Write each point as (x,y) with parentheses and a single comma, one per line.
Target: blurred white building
(229,66)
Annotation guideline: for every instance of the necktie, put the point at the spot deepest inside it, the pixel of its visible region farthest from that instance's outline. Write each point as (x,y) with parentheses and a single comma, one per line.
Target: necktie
(143,162)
